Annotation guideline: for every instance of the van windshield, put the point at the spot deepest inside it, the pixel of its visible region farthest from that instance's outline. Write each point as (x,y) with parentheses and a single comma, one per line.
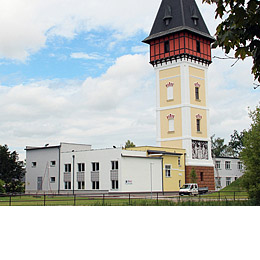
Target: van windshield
(185,186)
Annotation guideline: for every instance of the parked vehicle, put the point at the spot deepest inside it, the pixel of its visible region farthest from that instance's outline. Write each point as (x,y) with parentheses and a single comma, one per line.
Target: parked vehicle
(192,189)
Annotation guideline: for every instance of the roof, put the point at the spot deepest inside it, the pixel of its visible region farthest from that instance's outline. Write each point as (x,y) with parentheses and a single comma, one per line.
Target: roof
(178,15)
(163,153)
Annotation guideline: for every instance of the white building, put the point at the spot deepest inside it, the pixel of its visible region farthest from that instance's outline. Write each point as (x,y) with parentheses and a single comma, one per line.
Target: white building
(76,168)
(227,170)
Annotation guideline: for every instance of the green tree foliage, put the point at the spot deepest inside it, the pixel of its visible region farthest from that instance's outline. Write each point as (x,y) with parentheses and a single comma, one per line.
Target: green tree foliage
(129,144)
(239,29)
(250,156)
(11,172)
(2,187)
(193,176)
(236,143)
(218,147)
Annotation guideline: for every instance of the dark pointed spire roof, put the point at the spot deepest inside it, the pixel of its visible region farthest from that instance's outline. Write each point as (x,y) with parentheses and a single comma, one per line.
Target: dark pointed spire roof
(178,15)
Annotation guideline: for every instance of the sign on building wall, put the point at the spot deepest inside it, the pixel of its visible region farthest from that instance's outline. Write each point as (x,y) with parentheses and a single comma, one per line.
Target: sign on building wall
(128,182)
(200,150)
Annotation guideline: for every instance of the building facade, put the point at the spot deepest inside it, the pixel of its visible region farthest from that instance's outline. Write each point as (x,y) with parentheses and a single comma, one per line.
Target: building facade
(74,168)
(180,53)
(227,170)
(173,163)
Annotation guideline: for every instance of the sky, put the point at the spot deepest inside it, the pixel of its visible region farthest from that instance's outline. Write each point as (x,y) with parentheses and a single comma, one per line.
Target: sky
(77,71)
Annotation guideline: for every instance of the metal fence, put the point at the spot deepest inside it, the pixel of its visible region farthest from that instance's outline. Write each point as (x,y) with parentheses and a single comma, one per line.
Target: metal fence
(117,199)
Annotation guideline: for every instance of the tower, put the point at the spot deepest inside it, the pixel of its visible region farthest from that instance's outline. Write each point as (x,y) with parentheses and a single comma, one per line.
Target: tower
(181,54)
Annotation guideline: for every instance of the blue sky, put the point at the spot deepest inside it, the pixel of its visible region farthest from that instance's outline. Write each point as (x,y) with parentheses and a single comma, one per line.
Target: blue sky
(77,71)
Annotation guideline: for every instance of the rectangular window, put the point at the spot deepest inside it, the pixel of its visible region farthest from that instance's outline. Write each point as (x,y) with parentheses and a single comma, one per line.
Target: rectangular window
(34,164)
(114,165)
(218,182)
(198,46)
(228,181)
(171,125)
(67,167)
(227,165)
(67,185)
(95,185)
(81,167)
(198,125)
(217,166)
(201,176)
(166,47)
(167,170)
(81,185)
(170,93)
(53,163)
(197,93)
(240,166)
(95,167)
(52,180)
(114,185)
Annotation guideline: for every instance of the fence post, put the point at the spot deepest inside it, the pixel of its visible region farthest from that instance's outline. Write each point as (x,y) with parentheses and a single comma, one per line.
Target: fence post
(234,196)
(44,199)
(129,199)
(74,199)
(157,198)
(10,200)
(103,199)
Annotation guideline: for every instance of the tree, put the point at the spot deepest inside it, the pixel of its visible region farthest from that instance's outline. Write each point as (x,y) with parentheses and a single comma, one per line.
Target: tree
(2,187)
(250,156)
(129,144)
(218,147)
(239,30)
(236,143)
(193,176)
(11,171)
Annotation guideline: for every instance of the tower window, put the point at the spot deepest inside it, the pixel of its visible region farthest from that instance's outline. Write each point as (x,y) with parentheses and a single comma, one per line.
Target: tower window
(198,46)
(198,125)
(197,94)
(166,47)
(171,125)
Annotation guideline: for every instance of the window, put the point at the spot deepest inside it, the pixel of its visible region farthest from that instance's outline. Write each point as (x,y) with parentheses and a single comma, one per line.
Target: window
(114,165)
(228,181)
(95,167)
(67,168)
(67,185)
(34,164)
(167,170)
(198,46)
(166,47)
(53,163)
(179,183)
(81,185)
(198,125)
(171,125)
(197,93)
(95,185)
(81,167)
(114,185)
(170,93)
(217,166)
(227,165)
(240,166)
(52,180)
(179,161)
(218,182)
(201,176)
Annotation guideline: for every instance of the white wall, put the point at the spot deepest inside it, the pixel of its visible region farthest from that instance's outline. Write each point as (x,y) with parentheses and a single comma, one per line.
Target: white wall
(223,173)
(42,157)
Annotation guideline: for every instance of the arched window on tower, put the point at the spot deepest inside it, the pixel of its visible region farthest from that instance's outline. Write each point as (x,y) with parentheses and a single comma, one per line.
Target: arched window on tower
(197,91)
(170,118)
(198,122)
(169,87)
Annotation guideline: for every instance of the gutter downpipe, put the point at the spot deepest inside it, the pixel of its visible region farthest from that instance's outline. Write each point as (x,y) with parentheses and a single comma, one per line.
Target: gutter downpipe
(59,172)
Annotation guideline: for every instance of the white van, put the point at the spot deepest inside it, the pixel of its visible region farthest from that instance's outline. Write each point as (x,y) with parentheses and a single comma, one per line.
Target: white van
(189,189)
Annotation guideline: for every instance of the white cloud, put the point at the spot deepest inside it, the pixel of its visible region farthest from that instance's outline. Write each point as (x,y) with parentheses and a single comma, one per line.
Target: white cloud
(103,111)
(26,25)
(85,56)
